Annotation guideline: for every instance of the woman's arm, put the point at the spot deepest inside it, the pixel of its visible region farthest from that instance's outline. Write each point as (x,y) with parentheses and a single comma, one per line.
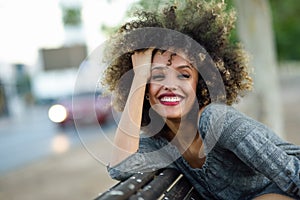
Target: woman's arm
(126,141)
(253,143)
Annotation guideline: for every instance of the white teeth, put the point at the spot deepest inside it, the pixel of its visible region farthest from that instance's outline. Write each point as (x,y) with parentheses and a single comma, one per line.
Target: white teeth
(170,99)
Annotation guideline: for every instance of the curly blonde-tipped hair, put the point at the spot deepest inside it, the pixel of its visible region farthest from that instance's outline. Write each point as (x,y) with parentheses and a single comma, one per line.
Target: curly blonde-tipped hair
(206,22)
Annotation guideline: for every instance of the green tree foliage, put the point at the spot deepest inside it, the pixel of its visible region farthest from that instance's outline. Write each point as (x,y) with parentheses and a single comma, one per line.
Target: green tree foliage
(155,5)
(149,5)
(72,16)
(285,15)
(287,30)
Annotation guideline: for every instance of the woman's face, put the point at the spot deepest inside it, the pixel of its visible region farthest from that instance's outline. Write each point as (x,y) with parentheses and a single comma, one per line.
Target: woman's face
(172,88)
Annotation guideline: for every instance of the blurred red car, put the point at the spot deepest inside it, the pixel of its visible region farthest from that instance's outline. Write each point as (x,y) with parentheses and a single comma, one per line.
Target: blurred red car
(83,108)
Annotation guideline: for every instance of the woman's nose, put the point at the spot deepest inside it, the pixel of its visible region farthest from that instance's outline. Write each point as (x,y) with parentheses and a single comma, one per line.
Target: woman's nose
(170,83)
(170,88)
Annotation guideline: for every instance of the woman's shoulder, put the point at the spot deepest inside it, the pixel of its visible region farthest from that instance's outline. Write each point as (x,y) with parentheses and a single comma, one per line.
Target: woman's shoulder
(217,110)
(218,115)
(217,107)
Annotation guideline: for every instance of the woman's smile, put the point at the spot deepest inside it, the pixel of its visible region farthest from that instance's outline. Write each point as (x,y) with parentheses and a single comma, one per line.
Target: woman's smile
(170,99)
(172,85)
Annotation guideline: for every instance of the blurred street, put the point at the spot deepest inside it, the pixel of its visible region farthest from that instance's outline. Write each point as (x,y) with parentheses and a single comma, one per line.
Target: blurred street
(39,160)
(28,137)
(42,161)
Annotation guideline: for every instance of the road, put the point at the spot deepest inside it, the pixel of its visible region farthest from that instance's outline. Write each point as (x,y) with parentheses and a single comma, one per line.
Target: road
(41,161)
(32,136)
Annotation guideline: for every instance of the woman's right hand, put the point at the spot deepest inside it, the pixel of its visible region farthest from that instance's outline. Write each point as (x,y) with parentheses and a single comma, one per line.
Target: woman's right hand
(127,134)
(141,61)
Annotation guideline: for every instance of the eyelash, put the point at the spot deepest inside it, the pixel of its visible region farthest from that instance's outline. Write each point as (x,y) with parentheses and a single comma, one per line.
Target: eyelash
(160,77)
(180,76)
(185,76)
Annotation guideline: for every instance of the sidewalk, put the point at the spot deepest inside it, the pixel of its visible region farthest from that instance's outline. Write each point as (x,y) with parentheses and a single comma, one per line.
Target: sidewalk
(73,175)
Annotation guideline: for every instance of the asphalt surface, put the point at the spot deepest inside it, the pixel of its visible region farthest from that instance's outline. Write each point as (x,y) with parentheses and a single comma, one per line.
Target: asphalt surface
(71,175)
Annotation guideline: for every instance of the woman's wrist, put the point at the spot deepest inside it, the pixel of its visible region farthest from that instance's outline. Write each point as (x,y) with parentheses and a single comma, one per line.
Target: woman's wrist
(142,72)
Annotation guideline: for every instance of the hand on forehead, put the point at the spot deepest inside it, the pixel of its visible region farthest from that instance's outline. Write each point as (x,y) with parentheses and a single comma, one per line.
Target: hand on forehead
(169,58)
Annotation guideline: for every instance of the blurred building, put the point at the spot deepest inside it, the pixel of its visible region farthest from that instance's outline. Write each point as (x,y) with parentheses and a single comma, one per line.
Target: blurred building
(55,39)
(23,84)
(59,65)
(63,58)
(3,101)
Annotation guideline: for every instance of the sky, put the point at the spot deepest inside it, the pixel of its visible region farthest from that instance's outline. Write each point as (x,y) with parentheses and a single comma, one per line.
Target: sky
(29,25)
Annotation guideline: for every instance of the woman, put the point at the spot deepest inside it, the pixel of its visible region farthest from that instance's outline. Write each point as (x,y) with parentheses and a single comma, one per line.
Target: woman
(174,95)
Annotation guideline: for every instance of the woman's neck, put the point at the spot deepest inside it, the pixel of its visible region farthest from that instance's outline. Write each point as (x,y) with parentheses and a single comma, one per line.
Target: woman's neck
(173,125)
(184,135)
(181,133)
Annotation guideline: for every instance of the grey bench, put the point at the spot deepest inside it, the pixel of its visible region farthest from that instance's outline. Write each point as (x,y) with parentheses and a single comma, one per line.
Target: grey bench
(162,184)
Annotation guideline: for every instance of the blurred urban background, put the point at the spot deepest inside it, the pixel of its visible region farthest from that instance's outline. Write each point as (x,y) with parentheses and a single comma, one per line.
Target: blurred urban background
(42,45)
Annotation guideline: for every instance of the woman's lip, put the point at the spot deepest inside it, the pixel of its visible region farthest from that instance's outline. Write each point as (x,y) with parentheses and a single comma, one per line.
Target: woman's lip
(169,95)
(172,100)
(169,103)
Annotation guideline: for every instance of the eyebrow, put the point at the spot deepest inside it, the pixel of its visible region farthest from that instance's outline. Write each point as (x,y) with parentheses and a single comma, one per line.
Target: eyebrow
(184,66)
(159,68)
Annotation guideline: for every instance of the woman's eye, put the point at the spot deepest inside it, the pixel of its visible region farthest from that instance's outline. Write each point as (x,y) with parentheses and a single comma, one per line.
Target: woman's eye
(158,77)
(184,76)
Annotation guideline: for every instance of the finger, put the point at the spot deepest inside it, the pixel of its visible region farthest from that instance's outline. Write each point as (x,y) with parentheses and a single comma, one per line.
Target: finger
(149,50)
(141,57)
(145,52)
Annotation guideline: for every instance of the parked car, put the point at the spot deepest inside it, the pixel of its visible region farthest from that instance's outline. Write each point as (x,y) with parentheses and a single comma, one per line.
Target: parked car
(83,108)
